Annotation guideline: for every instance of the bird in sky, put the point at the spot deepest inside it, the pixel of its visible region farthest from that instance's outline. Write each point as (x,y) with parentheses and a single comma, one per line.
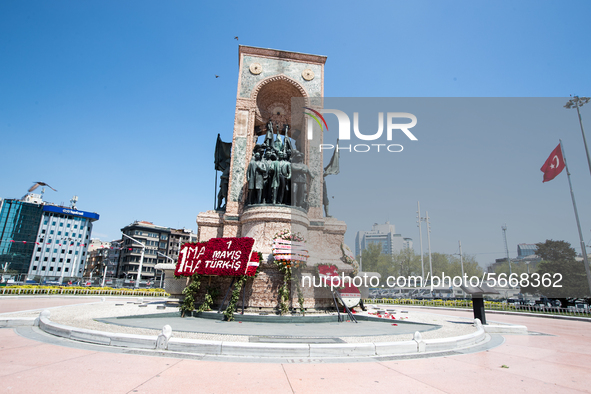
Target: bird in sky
(217,76)
(236,38)
(37,184)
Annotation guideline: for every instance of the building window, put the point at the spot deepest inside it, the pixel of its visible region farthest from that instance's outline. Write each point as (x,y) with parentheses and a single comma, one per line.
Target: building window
(61,260)
(50,231)
(47,250)
(61,225)
(70,252)
(38,249)
(51,268)
(54,250)
(66,234)
(75,226)
(68,260)
(59,233)
(68,225)
(43,268)
(37,258)
(53,259)
(63,250)
(44,258)
(59,269)
(66,270)
(43,231)
(34,268)
(53,224)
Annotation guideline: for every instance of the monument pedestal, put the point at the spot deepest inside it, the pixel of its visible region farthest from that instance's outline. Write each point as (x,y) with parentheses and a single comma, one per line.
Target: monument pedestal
(261,222)
(173,286)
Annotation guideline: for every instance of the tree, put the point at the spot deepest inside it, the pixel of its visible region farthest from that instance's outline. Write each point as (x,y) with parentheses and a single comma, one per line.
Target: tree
(517,267)
(566,277)
(471,266)
(373,260)
(406,263)
(555,251)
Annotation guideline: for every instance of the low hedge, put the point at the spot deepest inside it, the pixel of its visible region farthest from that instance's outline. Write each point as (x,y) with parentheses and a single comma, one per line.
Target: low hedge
(80,290)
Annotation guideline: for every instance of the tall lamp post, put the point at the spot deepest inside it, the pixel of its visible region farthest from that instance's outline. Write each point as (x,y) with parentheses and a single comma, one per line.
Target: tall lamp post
(577,102)
(162,273)
(139,271)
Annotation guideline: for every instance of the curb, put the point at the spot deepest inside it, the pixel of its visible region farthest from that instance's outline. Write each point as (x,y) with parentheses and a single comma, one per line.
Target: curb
(164,342)
(17,321)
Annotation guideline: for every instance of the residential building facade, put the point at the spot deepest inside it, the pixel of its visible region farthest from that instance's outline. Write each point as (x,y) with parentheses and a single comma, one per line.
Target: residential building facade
(177,239)
(155,239)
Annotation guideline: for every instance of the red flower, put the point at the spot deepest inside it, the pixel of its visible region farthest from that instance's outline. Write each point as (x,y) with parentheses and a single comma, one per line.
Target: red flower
(218,256)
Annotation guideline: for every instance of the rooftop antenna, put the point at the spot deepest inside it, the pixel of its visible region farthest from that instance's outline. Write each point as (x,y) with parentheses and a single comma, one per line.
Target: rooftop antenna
(73,202)
(42,193)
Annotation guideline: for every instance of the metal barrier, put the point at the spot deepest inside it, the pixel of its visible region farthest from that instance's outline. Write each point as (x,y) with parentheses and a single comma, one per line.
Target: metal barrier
(488,305)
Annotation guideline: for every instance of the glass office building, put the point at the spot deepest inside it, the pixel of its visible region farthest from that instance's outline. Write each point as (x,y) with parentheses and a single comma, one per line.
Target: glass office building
(19,224)
(43,242)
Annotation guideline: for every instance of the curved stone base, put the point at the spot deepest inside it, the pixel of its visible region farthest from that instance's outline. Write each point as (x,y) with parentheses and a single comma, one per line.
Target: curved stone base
(171,345)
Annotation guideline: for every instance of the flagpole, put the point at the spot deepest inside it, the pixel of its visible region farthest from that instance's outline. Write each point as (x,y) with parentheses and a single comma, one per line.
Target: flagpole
(583,249)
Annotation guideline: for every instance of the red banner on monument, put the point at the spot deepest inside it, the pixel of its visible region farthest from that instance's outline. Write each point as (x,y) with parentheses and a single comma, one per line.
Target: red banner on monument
(218,256)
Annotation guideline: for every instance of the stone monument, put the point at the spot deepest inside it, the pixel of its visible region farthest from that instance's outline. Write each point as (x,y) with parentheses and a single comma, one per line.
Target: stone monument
(268,82)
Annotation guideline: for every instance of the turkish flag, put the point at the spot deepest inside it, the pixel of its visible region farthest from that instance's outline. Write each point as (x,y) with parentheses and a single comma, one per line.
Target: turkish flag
(553,165)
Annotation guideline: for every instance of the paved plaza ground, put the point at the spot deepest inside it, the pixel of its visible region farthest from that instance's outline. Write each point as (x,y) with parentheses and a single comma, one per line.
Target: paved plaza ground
(557,358)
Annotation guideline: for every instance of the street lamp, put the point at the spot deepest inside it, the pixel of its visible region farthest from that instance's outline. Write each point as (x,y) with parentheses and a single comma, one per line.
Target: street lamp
(162,273)
(577,102)
(105,261)
(139,271)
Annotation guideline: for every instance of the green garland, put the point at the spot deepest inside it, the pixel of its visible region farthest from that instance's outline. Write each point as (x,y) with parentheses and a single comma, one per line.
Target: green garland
(229,312)
(210,296)
(300,292)
(287,267)
(283,290)
(188,304)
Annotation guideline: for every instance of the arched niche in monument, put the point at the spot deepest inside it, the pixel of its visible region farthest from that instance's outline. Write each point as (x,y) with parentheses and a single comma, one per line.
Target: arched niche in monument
(273,101)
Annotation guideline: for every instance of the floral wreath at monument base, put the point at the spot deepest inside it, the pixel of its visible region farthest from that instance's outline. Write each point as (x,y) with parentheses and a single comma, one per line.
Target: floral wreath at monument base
(289,253)
(187,306)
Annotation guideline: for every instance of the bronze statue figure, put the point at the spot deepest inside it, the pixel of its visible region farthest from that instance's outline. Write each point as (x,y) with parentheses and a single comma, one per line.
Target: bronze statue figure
(299,180)
(255,175)
(268,143)
(224,180)
(284,180)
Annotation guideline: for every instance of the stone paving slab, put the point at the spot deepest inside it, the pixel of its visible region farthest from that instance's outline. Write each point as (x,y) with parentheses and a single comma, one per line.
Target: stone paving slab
(559,362)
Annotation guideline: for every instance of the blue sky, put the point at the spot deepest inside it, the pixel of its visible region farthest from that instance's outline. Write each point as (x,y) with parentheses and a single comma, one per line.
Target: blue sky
(117,102)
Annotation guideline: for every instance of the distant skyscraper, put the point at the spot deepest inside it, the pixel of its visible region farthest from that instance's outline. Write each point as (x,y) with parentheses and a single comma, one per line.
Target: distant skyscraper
(383,235)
